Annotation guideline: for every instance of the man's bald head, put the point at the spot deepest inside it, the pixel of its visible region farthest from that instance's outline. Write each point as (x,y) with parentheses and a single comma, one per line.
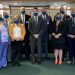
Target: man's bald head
(62,10)
(22,8)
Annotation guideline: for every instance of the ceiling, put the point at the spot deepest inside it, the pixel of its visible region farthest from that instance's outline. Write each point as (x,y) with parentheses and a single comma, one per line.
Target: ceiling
(37,2)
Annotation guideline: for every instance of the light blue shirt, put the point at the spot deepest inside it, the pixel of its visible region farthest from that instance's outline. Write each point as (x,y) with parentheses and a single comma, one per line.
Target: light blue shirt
(3,34)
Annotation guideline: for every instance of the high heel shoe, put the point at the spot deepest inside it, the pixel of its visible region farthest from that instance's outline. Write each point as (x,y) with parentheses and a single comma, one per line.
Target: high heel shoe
(56,62)
(60,62)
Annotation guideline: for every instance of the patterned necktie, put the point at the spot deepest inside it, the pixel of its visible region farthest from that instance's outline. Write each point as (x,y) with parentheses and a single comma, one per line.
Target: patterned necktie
(44,18)
(36,21)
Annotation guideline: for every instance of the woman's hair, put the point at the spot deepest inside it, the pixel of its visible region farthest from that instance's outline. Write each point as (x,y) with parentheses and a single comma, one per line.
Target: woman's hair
(56,15)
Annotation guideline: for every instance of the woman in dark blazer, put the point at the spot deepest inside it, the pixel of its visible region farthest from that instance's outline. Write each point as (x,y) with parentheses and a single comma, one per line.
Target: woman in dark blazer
(58,37)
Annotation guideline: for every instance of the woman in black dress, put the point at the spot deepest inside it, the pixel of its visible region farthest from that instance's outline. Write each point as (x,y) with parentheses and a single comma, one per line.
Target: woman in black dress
(58,37)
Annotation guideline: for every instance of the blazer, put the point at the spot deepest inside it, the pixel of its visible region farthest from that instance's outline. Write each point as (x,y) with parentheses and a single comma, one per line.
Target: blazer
(70,27)
(32,28)
(48,23)
(61,29)
(12,26)
(27,17)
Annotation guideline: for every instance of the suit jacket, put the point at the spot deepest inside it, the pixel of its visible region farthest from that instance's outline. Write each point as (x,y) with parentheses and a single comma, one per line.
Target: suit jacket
(32,28)
(48,23)
(26,21)
(23,31)
(71,26)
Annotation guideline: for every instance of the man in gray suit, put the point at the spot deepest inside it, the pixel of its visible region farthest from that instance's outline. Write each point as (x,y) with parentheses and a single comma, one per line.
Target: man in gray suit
(35,28)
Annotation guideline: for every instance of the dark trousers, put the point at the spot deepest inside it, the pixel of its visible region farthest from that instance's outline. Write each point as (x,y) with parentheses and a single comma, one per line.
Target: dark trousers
(25,48)
(36,43)
(45,46)
(16,49)
(71,46)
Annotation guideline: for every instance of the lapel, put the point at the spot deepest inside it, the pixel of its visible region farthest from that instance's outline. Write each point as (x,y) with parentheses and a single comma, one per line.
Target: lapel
(33,20)
(22,18)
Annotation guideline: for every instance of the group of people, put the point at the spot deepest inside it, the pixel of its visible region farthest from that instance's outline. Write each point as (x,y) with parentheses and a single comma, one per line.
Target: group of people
(25,34)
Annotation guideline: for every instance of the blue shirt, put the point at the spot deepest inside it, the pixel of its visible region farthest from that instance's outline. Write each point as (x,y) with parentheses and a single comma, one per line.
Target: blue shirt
(3,34)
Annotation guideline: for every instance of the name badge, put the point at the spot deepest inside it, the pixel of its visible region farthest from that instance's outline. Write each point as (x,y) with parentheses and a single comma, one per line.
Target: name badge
(47,21)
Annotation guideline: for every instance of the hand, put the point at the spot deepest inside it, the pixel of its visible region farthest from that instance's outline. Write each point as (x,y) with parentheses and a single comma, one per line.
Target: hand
(71,36)
(53,34)
(36,36)
(59,34)
(18,38)
(56,36)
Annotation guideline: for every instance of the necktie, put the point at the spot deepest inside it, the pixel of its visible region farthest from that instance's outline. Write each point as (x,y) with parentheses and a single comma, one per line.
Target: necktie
(36,21)
(44,17)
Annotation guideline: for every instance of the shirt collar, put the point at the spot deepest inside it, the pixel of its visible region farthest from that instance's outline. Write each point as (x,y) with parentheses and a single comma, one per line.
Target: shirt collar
(43,16)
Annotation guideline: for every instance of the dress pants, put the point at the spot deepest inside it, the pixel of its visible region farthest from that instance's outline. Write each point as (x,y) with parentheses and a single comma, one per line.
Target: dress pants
(71,46)
(36,43)
(45,42)
(16,49)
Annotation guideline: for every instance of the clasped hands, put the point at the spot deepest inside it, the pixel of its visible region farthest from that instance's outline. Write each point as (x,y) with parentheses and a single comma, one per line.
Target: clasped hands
(71,36)
(56,35)
(36,36)
(18,38)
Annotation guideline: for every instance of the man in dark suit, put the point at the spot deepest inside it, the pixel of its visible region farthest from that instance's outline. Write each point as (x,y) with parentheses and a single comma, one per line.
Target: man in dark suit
(24,18)
(64,18)
(71,37)
(35,28)
(46,21)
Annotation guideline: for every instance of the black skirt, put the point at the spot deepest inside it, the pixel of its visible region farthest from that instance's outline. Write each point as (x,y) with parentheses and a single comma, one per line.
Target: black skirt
(58,44)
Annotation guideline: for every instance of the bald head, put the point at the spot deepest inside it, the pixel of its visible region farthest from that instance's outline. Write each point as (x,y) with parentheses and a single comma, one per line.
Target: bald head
(22,8)
(62,10)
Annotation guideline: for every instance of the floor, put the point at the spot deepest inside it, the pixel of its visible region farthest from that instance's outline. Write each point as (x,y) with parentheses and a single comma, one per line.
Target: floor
(46,68)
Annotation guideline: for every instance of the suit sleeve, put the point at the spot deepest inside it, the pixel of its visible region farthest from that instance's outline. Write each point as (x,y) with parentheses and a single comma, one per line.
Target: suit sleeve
(23,32)
(30,27)
(41,30)
(49,26)
(63,29)
(11,32)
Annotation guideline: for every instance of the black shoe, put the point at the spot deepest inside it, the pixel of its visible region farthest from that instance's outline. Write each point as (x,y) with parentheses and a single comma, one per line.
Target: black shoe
(27,58)
(18,64)
(0,68)
(39,61)
(13,64)
(47,58)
